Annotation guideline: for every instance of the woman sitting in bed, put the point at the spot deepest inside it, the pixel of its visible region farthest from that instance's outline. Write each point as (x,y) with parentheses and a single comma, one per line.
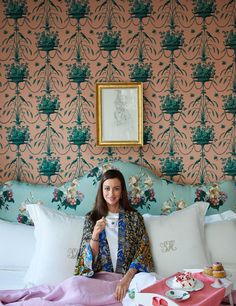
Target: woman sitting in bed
(114,236)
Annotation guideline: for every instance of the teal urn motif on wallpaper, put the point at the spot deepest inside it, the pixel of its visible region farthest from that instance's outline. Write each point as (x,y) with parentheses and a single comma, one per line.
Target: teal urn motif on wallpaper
(140,9)
(79,135)
(79,73)
(109,41)
(18,135)
(230,104)
(203,72)
(49,166)
(78,9)
(47,41)
(141,72)
(171,166)
(48,105)
(172,104)
(203,135)
(172,40)
(204,8)
(17,72)
(16,9)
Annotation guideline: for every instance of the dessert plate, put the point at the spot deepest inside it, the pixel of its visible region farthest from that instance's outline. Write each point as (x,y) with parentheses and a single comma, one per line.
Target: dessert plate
(178,295)
(171,284)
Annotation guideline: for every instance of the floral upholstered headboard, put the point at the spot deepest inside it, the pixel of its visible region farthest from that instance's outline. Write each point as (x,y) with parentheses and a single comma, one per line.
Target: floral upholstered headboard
(148,193)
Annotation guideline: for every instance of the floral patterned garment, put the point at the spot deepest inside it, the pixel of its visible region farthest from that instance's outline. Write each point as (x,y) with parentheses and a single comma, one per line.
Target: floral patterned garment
(133,247)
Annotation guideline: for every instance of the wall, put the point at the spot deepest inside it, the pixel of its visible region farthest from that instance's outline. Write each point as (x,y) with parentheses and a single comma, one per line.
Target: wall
(54,52)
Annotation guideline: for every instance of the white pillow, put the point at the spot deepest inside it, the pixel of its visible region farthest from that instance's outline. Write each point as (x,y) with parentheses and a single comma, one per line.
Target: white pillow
(221,238)
(58,237)
(221,241)
(227,215)
(17,245)
(178,240)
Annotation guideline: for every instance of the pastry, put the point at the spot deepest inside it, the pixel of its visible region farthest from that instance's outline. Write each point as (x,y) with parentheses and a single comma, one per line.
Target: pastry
(217,266)
(184,280)
(219,273)
(208,270)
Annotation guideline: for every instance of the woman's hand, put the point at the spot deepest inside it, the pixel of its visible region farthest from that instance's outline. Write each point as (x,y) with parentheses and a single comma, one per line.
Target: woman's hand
(94,242)
(122,288)
(98,228)
(123,285)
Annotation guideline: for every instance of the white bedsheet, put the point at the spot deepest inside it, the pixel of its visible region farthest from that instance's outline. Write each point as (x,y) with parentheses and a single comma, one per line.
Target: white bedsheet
(12,279)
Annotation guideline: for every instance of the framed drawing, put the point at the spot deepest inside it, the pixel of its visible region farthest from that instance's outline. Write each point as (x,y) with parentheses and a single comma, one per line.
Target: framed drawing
(119,114)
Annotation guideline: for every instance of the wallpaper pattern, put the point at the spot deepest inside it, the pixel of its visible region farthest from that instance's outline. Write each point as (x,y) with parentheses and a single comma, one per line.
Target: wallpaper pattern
(53,52)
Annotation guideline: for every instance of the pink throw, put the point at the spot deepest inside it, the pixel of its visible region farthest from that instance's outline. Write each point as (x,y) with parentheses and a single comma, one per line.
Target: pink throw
(76,291)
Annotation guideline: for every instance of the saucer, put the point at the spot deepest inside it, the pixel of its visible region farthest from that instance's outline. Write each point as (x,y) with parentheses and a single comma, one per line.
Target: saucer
(178,295)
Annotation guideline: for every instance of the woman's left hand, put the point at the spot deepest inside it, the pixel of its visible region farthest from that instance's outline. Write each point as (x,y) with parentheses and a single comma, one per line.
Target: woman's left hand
(123,285)
(122,288)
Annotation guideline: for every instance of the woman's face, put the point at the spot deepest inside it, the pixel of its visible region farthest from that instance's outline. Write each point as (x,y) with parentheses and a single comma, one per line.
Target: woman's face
(112,193)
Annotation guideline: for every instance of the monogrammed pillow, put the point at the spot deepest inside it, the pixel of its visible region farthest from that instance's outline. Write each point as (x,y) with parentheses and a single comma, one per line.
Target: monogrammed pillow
(58,237)
(178,240)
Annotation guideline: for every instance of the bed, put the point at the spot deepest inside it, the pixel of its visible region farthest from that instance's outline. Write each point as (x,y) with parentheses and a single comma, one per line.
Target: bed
(41,232)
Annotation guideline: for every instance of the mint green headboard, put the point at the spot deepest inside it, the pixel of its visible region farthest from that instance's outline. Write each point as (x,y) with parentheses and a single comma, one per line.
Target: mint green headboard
(147,192)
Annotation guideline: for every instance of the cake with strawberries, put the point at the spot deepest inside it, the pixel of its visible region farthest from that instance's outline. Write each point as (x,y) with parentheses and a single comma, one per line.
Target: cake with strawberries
(184,280)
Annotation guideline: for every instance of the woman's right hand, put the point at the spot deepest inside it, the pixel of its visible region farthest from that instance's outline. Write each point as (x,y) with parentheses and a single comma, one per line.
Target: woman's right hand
(99,227)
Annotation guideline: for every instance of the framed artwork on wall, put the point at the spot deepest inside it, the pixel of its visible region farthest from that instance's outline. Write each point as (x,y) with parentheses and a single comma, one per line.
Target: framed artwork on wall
(119,114)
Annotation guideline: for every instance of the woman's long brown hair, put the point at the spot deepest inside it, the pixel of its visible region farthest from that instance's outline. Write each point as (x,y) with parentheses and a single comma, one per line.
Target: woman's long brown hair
(100,208)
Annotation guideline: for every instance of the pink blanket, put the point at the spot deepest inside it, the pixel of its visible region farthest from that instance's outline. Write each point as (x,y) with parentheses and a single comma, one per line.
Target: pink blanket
(76,291)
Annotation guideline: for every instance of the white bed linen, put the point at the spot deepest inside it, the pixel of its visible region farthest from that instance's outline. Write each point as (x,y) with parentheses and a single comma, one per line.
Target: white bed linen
(12,279)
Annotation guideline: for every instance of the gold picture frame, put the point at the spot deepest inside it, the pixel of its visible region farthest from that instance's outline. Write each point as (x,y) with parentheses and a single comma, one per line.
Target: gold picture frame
(119,114)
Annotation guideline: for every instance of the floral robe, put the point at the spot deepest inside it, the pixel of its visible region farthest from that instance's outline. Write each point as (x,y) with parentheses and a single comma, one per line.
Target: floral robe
(133,247)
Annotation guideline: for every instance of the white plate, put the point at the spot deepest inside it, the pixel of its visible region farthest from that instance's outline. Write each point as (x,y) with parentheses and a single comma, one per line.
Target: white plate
(198,285)
(178,295)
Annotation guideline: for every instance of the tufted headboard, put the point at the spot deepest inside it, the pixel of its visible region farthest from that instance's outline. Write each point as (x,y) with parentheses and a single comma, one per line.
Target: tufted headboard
(147,192)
